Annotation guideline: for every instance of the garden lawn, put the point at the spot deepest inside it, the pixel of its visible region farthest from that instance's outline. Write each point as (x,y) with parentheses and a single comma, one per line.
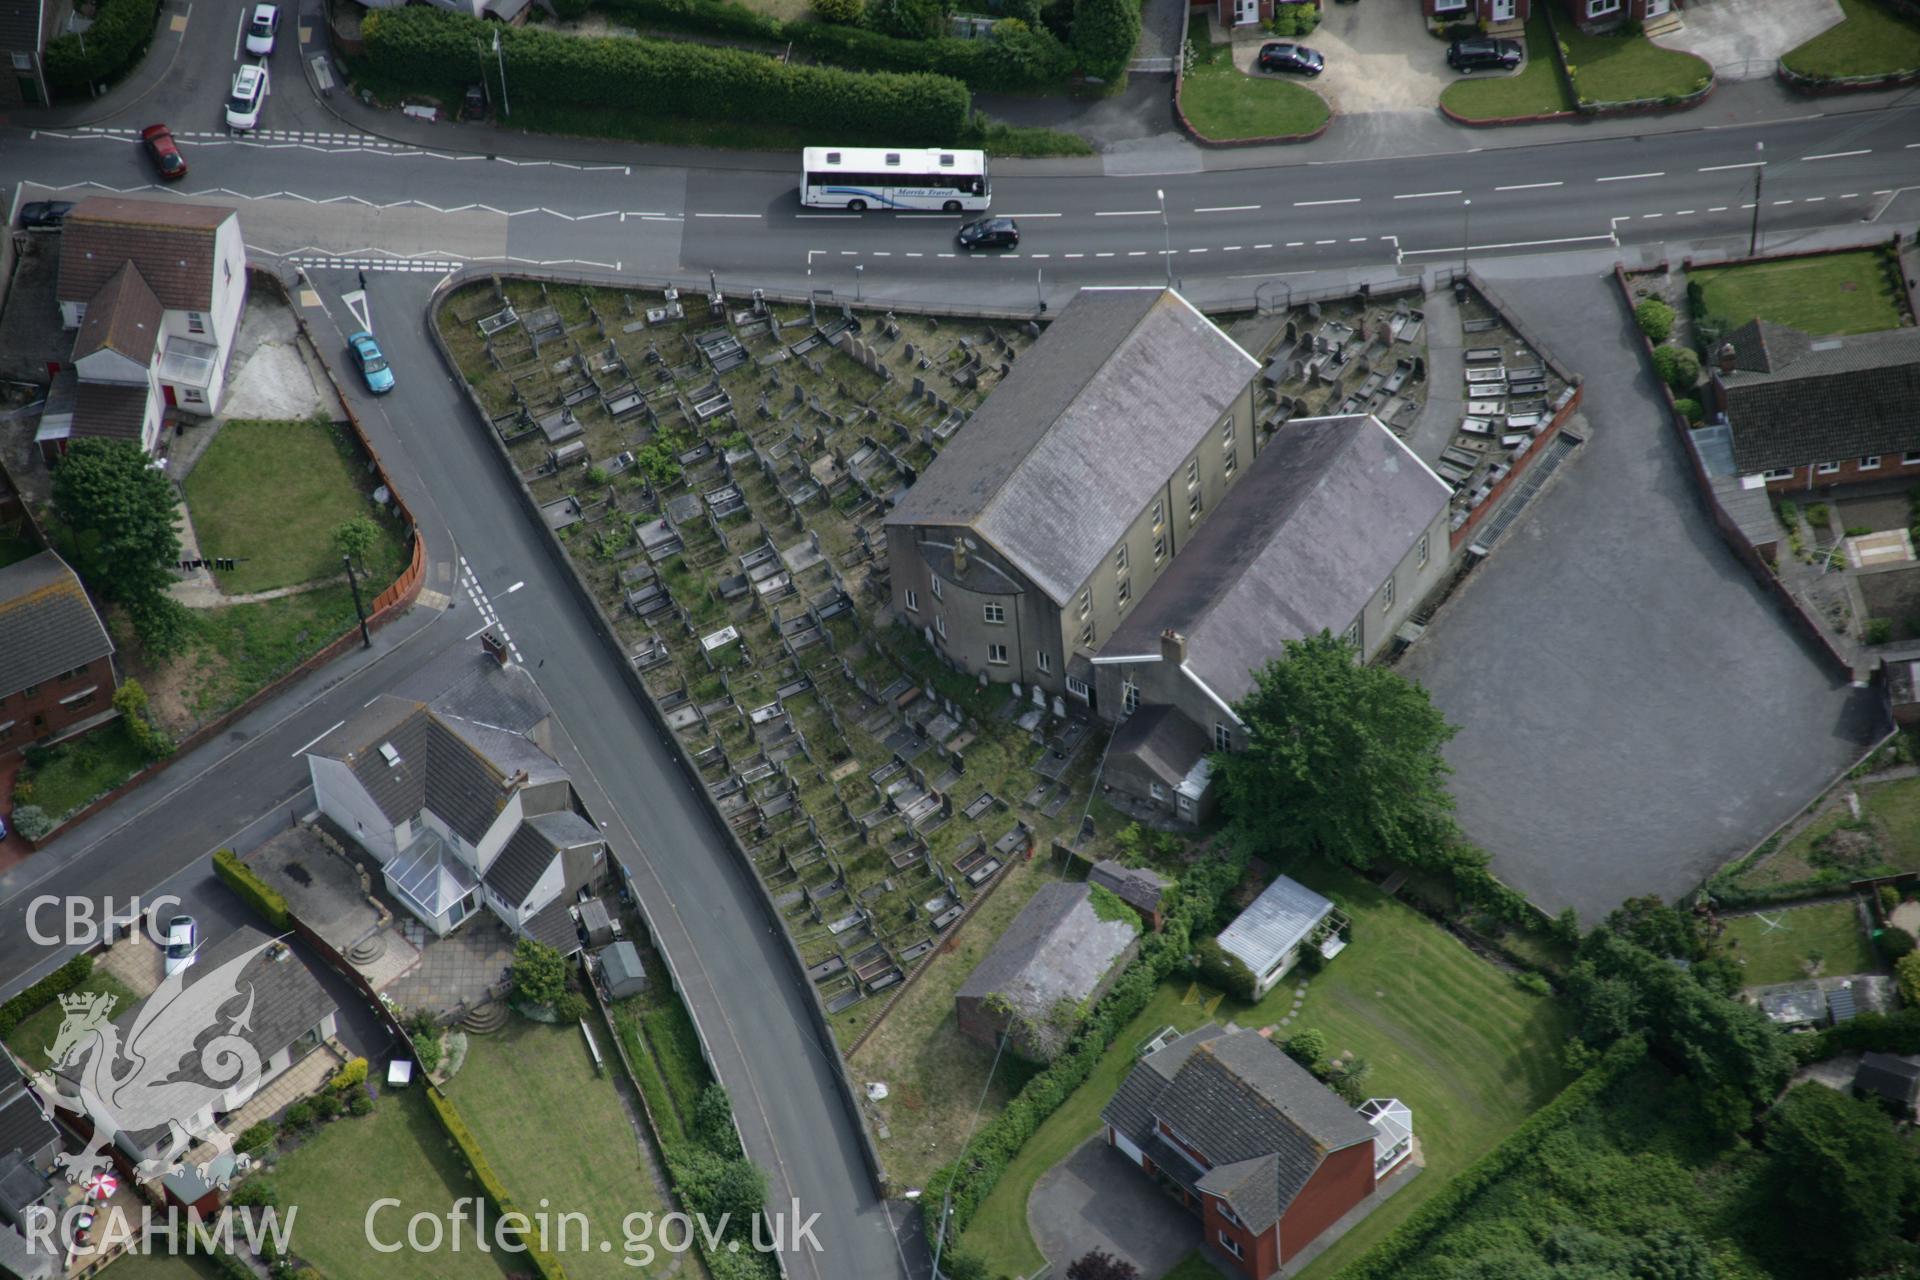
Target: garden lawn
(1830,930)
(1896,805)
(398,1150)
(31,1036)
(1224,103)
(1629,68)
(1872,40)
(935,1074)
(665,1049)
(1448,1034)
(161,1266)
(1193,1267)
(1835,293)
(558,1133)
(1538,90)
(80,769)
(270,493)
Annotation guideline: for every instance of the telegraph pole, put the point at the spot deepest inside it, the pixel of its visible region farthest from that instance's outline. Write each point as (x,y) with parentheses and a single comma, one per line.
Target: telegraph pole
(366,637)
(1759,176)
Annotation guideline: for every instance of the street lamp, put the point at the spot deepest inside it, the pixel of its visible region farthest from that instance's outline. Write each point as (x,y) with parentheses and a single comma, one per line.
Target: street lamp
(1759,175)
(859,271)
(1040,294)
(506,109)
(1167,232)
(1466,233)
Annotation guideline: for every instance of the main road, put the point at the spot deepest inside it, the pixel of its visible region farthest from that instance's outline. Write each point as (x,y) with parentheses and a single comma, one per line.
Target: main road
(332,198)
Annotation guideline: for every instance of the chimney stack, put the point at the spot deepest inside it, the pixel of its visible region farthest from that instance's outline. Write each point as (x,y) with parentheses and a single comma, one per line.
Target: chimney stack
(496,647)
(1173,647)
(1727,355)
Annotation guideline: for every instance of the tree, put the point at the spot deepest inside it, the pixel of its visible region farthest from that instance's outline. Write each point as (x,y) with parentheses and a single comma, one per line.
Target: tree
(1648,922)
(539,973)
(1907,970)
(1342,762)
(130,700)
(1308,1048)
(840,10)
(118,512)
(714,1184)
(1104,34)
(1841,1178)
(356,537)
(1098,1264)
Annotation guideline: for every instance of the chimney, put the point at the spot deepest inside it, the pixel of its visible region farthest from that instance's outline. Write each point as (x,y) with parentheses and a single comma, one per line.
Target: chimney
(1726,356)
(959,557)
(496,647)
(513,781)
(1173,647)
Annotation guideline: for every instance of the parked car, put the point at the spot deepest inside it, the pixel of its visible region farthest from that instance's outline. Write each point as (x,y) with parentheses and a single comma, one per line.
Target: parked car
(262,29)
(1484,53)
(45,214)
(1279,56)
(990,233)
(183,943)
(165,152)
(249,96)
(373,365)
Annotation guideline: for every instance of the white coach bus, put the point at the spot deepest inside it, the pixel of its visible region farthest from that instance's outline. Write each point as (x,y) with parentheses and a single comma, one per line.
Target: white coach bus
(858,178)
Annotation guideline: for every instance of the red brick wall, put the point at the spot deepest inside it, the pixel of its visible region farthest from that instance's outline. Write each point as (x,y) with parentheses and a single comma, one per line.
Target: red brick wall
(39,714)
(1476,11)
(1259,1255)
(1850,472)
(1342,1181)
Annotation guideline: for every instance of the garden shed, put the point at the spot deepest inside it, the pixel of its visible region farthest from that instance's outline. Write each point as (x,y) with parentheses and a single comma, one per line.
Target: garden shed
(621,970)
(1269,935)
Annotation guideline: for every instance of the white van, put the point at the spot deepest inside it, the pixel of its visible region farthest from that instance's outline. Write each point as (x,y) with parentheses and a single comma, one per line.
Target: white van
(249,96)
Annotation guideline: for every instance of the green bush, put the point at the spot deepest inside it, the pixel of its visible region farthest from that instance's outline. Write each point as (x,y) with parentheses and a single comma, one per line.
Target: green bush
(1889,898)
(1225,972)
(253,891)
(359,1103)
(1678,367)
(1895,943)
(300,1115)
(1689,409)
(115,41)
(1879,630)
(325,1105)
(840,10)
(415,45)
(1655,318)
(353,1073)
(1104,35)
(571,1007)
(257,1138)
(32,822)
(42,993)
(906,19)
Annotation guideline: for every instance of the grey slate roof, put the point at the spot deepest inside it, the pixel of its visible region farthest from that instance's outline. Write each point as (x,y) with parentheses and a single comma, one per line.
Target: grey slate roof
(1261,1120)
(21,26)
(24,1127)
(1300,545)
(1068,451)
(1162,739)
(553,925)
(531,850)
(47,624)
(1895,1078)
(21,1184)
(452,761)
(1795,400)
(1135,886)
(621,966)
(1130,1110)
(1056,949)
(1274,923)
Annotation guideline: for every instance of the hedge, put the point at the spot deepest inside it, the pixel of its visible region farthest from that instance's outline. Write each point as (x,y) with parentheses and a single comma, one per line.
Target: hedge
(1897,1032)
(42,993)
(114,43)
(416,45)
(965,1183)
(254,891)
(544,1263)
(1392,1256)
(1013,59)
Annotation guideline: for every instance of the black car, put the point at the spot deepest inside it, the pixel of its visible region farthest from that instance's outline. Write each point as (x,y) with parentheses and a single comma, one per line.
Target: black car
(46,214)
(990,233)
(1484,53)
(1292,57)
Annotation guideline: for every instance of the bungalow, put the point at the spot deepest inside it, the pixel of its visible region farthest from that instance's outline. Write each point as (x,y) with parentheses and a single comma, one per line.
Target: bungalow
(1811,413)
(154,290)
(1270,934)
(1054,961)
(1890,1079)
(56,661)
(1246,1138)
(456,796)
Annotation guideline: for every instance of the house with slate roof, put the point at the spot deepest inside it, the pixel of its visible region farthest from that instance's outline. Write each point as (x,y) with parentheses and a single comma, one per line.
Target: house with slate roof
(453,790)
(1053,963)
(25,28)
(1812,413)
(153,290)
(1267,1156)
(1336,527)
(28,1141)
(56,662)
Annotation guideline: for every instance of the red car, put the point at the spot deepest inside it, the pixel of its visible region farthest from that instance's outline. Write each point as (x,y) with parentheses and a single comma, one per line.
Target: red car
(165,152)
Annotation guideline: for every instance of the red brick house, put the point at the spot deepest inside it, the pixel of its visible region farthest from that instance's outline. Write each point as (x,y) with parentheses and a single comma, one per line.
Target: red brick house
(1813,413)
(56,662)
(1594,15)
(1265,1154)
(1492,12)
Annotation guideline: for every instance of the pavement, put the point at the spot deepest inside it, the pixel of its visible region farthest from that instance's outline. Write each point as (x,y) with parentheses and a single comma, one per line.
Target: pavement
(1743,39)
(1634,709)
(1096,1199)
(1379,59)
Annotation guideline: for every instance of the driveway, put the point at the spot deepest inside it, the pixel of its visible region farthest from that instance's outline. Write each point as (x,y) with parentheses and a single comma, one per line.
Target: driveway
(1742,39)
(1094,1199)
(1379,59)
(1634,710)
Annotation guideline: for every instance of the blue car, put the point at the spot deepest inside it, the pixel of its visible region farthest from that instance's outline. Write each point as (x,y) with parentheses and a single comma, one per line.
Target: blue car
(373,365)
